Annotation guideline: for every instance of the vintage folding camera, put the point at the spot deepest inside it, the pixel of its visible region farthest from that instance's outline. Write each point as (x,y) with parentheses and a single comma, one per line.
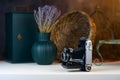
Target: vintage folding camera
(78,58)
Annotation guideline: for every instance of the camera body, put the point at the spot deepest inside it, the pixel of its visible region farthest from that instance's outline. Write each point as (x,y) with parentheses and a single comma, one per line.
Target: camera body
(78,58)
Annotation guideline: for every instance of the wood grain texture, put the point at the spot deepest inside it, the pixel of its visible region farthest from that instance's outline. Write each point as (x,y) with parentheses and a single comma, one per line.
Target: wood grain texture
(111,10)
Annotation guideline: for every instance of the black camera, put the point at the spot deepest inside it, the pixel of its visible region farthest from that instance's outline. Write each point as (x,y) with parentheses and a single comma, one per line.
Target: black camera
(78,58)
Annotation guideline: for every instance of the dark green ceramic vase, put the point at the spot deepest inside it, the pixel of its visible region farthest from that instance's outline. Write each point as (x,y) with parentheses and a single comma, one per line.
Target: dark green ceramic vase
(44,51)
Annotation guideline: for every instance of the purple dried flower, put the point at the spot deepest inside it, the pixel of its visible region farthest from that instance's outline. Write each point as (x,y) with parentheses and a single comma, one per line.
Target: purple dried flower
(46,17)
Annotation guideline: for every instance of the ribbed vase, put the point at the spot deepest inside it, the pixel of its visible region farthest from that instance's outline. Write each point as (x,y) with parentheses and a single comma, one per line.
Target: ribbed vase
(44,51)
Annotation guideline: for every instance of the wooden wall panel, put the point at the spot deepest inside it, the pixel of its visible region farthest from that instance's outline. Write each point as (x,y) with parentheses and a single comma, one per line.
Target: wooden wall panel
(110,8)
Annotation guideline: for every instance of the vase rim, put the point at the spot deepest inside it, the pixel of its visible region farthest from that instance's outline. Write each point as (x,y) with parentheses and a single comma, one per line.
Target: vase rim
(43,36)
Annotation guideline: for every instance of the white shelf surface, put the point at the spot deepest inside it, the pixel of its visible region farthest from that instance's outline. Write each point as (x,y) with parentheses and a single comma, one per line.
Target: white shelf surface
(33,71)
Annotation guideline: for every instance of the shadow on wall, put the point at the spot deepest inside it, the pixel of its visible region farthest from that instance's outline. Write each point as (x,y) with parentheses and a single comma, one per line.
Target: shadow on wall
(2,32)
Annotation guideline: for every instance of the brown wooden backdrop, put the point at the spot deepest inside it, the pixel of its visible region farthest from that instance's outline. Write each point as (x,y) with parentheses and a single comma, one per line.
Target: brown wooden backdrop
(111,9)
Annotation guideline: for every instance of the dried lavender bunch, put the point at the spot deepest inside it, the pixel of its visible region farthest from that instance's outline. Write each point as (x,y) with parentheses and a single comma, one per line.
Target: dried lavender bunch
(46,17)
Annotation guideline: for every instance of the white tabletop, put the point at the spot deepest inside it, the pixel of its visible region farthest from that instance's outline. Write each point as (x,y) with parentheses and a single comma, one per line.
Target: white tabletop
(33,71)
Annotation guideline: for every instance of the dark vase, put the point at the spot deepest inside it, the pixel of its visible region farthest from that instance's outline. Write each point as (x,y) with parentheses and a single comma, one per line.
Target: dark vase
(44,51)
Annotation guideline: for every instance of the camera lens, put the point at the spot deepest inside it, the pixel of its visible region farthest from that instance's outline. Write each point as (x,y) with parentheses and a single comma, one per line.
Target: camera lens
(65,57)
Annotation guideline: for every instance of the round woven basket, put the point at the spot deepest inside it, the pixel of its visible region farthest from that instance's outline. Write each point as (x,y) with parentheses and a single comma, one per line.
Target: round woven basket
(70,27)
